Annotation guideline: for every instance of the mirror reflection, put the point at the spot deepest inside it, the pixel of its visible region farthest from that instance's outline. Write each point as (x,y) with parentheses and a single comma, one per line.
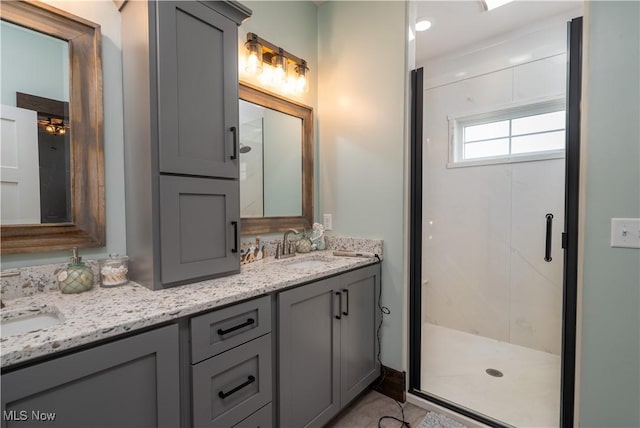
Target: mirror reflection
(270,162)
(35,160)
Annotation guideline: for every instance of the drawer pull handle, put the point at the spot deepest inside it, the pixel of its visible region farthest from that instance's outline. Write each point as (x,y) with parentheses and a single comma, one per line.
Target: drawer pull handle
(339,305)
(222,332)
(249,381)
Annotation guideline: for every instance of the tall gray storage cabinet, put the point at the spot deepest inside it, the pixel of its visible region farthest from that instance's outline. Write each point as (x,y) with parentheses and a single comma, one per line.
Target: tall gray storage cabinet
(180,75)
(326,346)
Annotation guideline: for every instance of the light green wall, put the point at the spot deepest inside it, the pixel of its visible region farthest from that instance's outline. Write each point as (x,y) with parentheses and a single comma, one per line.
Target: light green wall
(361,103)
(105,13)
(610,365)
(32,63)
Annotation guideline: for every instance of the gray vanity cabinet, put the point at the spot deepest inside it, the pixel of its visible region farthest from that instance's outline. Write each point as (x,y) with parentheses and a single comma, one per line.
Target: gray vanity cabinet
(180,81)
(327,346)
(133,382)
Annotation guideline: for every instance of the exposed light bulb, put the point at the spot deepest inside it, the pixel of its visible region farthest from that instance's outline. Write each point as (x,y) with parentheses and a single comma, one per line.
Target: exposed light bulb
(62,130)
(253,65)
(279,70)
(50,129)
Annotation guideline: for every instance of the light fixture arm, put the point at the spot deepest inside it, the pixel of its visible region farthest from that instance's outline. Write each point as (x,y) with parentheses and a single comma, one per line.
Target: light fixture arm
(271,49)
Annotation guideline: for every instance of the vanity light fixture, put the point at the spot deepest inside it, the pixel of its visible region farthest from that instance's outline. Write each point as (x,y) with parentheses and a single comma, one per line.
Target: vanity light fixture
(276,67)
(54,126)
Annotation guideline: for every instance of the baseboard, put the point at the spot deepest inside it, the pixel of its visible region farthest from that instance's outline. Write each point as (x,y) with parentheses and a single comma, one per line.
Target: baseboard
(392,383)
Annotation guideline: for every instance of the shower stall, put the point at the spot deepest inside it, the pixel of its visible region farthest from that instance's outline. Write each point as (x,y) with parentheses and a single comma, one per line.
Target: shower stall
(488,267)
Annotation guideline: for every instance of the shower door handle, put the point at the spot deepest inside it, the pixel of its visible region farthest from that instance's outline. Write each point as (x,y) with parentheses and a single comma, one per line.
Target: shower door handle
(234,131)
(547,246)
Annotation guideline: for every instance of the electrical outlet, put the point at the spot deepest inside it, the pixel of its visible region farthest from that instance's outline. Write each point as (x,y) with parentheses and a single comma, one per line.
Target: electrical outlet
(625,232)
(327,222)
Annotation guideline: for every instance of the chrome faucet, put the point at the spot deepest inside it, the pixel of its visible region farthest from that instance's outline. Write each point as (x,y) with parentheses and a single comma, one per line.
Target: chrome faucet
(288,248)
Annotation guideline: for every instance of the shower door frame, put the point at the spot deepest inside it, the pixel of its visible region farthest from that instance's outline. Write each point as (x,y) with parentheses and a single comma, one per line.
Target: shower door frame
(569,238)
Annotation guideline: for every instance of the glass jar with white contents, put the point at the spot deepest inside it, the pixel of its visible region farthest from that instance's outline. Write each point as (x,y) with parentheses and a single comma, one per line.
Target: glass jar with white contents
(114,270)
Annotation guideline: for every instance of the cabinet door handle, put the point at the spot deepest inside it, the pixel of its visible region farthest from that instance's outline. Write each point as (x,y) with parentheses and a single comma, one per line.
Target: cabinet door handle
(250,380)
(235,236)
(346,294)
(250,321)
(234,131)
(547,246)
(340,305)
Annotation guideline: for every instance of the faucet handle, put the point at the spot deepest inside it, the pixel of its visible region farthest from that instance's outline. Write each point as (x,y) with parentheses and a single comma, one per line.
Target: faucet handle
(278,250)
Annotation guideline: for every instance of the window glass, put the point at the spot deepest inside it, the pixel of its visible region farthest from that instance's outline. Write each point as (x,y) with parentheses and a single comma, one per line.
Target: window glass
(538,123)
(485,149)
(538,142)
(486,131)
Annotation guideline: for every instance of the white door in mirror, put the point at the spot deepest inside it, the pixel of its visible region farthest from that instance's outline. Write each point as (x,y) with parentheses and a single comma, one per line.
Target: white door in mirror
(19,168)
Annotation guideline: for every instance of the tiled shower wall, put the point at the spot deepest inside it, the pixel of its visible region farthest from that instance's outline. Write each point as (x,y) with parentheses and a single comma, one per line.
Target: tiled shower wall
(484,226)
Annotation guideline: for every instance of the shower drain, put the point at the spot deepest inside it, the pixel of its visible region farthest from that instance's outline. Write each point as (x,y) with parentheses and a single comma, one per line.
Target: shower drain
(494,372)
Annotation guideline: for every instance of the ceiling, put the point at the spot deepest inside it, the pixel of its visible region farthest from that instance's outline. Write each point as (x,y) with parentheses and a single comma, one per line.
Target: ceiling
(462,24)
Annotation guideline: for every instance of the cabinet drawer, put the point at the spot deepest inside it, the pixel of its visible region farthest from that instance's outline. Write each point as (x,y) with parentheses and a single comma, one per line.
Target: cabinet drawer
(230,386)
(218,331)
(263,418)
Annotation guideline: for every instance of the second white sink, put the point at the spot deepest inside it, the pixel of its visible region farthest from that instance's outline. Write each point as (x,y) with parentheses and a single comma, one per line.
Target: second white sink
(25,321)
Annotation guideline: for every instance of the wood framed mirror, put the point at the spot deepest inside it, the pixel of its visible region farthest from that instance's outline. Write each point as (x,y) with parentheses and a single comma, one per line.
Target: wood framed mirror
(276,162)
(85,224)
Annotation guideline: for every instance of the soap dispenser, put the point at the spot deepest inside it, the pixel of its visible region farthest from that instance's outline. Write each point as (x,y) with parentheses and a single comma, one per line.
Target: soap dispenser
(77,277)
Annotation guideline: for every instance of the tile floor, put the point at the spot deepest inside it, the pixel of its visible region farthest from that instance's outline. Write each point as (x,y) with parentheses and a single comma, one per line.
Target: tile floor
(454,364)
(366,410)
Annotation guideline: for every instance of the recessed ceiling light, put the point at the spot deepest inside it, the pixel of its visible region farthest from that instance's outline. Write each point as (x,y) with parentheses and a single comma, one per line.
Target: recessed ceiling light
(423,25)
(492,4)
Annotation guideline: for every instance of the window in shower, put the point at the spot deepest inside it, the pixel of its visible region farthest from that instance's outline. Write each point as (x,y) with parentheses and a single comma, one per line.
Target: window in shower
(530,132)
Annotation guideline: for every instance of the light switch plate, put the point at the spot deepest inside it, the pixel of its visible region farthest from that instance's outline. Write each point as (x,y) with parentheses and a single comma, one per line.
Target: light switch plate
(327,222)
(625,232)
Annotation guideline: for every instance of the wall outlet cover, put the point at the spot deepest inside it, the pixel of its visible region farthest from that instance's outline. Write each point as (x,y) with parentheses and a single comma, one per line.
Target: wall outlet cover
(327,222)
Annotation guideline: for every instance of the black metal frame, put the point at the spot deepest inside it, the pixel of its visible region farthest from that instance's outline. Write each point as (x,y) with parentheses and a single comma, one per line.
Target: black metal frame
(569,238)
(570,235)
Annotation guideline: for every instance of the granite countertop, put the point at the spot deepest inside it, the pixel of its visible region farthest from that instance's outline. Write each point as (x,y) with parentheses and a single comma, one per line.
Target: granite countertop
(106,312)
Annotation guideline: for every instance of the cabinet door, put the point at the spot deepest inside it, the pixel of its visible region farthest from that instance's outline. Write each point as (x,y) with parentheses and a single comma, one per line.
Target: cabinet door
(309,341)
(197,90)
(199,228)
(358,346)
(132,382)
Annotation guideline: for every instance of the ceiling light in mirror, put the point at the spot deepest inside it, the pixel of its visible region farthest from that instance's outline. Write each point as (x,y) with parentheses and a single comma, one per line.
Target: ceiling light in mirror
(493,4)
(423,24)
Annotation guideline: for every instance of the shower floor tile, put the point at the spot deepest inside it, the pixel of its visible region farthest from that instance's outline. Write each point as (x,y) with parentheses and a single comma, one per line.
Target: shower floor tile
(454,365)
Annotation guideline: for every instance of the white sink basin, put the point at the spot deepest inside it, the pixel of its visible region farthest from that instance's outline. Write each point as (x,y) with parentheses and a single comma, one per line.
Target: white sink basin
(308,264)
(28,320)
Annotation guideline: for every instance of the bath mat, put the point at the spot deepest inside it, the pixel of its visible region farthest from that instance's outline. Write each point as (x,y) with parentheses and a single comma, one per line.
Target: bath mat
(436,420)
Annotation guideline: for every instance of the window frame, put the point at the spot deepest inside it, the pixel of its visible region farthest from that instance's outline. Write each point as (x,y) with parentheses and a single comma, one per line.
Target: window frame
(514,111)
